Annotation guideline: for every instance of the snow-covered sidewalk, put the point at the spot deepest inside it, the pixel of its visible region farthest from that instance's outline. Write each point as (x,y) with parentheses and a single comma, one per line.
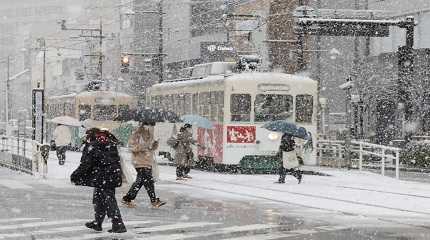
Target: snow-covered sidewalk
(351,192)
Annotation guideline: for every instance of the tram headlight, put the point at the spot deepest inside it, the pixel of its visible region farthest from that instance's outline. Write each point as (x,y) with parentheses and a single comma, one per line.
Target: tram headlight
(273,136)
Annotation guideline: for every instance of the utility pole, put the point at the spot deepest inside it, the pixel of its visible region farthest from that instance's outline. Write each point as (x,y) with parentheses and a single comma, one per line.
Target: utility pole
(90,35)
(7,92)
(101,51)
(160,46)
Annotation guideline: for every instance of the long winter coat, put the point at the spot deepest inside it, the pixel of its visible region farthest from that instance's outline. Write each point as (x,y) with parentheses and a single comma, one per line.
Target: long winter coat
(142,147)
(100,166)
(184,152)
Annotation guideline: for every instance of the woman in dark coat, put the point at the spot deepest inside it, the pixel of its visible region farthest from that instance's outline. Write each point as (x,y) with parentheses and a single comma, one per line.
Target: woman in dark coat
(287,148)
(184,152)
(100,168)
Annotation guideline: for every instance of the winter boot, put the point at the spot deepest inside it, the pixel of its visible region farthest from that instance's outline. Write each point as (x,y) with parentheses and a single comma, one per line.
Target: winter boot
(118,228)
(94,225)
(298,175)
(129,204)
(157,203)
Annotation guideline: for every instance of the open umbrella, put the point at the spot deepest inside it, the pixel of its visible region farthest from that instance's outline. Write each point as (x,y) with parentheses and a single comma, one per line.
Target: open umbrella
(67,121)
(287,127)
(198,121)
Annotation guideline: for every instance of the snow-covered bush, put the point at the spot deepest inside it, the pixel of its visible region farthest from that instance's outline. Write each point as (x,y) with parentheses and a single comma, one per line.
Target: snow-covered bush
(416,154)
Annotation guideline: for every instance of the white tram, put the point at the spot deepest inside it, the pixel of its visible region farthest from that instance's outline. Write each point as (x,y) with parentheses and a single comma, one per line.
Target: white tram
(101,107)
(238,104)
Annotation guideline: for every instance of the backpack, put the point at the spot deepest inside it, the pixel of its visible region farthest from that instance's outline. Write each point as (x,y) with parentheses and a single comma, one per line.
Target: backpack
(173,142)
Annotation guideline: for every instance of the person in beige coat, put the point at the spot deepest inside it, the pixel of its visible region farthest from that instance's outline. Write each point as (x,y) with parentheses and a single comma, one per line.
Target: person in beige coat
(143,146)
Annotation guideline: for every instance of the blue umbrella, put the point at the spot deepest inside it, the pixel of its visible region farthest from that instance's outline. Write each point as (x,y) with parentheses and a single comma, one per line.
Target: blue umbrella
(198,121)
(287,127)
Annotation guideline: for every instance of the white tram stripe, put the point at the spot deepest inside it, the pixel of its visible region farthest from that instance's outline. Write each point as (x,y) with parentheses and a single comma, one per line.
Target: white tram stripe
(39,224)
(11,184)
(227,230)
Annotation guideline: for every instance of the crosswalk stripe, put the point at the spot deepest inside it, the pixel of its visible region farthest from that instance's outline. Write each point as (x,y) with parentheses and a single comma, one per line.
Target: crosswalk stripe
(65,230)
(263,237)
(332,228)
(227,230)
(176,226)
(11,184)
(39,224)
(18,220)
(304,231)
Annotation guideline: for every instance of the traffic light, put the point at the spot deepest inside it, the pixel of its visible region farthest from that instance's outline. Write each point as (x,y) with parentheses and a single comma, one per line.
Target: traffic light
(125,64)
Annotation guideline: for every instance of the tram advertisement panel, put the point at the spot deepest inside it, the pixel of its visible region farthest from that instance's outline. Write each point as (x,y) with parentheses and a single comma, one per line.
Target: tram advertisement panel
(241,134)
(212,140)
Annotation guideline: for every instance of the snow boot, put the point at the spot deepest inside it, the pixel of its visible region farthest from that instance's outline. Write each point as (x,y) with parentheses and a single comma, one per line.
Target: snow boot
(129,204)
(118,228)
(157,203)
(94,225)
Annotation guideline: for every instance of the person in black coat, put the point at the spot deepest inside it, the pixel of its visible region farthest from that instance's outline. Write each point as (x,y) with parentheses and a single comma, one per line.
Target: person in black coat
(100,168)
(287,145)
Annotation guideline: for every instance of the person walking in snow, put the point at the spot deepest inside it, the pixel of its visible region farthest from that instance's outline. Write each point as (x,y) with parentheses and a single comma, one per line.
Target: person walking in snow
(143,146)
(100,168)
(62,138)
(288,159)
(184,152)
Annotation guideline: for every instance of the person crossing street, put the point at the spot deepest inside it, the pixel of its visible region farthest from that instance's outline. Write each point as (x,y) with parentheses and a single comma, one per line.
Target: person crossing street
(100,168)
(143,146)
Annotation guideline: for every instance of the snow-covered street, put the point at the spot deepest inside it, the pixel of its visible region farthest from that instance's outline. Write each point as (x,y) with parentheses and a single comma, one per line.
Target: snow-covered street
(344,205)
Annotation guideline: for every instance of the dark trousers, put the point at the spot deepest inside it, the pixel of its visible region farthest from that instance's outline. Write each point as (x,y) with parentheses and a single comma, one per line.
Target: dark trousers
(61,153)
(182,171)
(105,204)
(283,173)
(144,178)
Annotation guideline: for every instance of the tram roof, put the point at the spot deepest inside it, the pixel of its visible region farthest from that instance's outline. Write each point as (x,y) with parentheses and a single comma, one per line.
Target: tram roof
(235,78)
(92,93)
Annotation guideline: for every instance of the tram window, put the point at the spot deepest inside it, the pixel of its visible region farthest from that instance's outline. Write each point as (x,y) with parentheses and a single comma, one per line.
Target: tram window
(123,111)
(204,98)
(213,112)
(269,107)
(104,112)
(188,104)
(220,113)
(240,107)
(84,112)
(195,105)
(304,108)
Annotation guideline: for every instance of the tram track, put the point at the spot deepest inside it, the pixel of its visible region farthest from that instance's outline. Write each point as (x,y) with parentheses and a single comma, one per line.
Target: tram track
(275,200)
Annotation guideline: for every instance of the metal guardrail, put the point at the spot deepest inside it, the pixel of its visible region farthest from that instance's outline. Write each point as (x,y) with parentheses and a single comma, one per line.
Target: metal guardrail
(24,155)
(335,149)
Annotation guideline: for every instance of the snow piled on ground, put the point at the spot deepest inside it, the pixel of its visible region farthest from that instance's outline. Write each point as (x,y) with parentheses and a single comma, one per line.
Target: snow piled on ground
(344,193)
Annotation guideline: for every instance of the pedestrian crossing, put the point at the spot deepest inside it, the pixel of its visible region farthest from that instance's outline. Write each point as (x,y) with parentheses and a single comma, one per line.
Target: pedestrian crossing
(149,229)
(30,185)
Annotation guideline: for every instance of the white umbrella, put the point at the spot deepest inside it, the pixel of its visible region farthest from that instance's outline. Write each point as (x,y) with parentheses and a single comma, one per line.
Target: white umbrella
(66,120)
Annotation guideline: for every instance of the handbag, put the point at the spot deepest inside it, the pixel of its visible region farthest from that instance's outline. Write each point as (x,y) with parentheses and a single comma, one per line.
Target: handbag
(53,145)
(155,170)
(289,160)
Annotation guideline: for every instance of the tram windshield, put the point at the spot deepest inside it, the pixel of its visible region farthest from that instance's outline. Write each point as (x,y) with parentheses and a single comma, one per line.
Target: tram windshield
(104,112)
(269,107)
